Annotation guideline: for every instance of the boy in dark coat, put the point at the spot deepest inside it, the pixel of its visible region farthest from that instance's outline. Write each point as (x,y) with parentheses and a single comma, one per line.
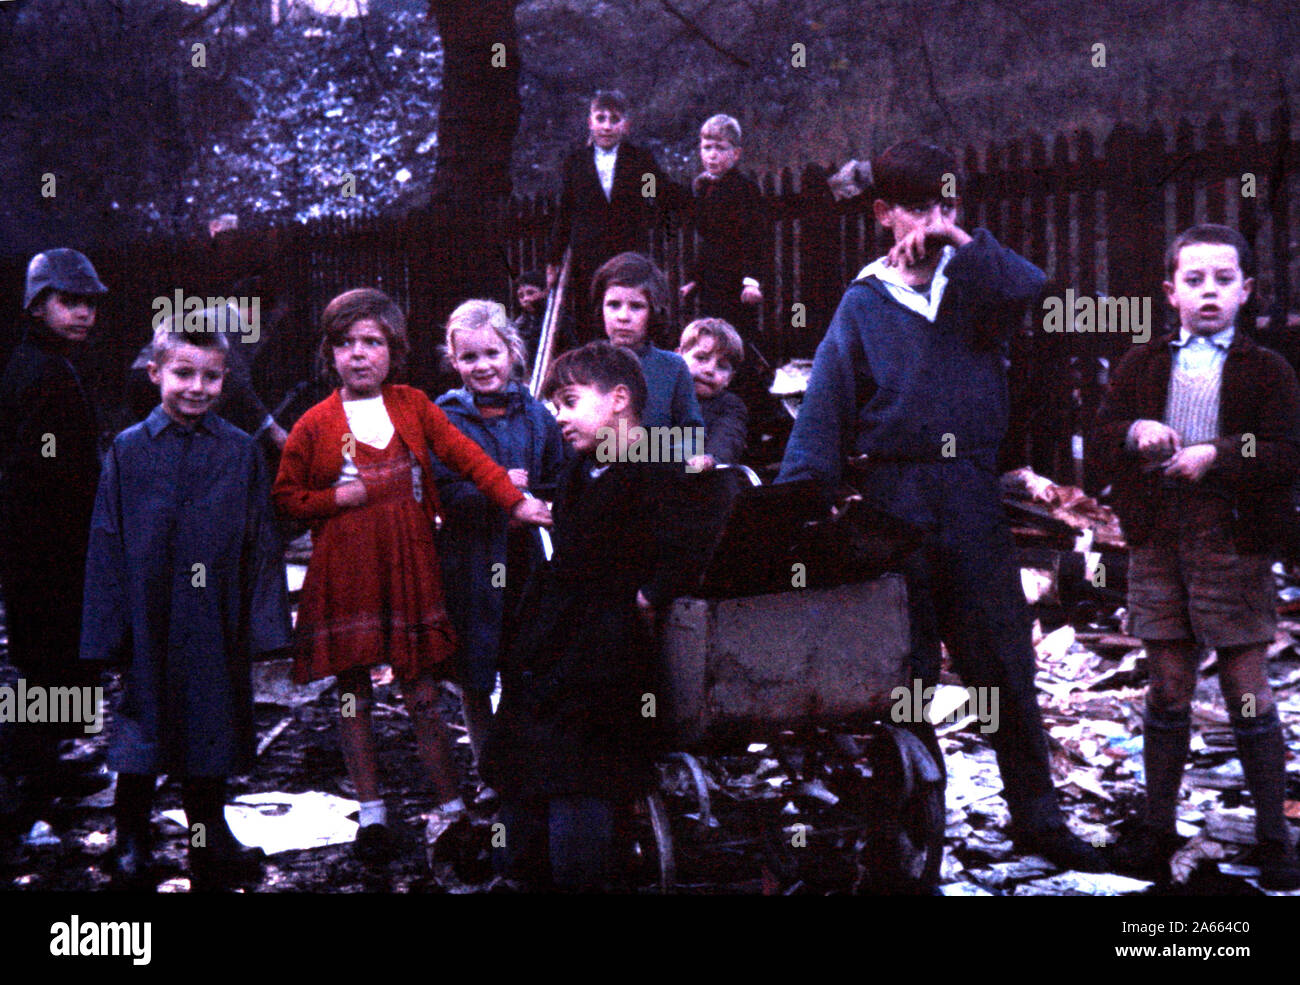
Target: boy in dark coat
(185,581)
(712,349)
(575,737)
(49,464)
(909,387)
(731,221)
(1201,431)
(604,207)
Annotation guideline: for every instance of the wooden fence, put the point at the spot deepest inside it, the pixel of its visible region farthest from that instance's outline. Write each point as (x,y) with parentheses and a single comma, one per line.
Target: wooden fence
(1096,215)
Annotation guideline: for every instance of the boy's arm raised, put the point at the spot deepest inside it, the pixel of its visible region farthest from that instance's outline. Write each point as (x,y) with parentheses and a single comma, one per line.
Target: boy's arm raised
(993,273)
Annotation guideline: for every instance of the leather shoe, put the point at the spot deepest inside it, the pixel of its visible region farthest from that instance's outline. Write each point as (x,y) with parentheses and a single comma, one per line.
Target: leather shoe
(1062,848)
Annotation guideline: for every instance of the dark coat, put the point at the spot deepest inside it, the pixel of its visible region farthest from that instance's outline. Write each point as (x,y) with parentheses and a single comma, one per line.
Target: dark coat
(726,420)
(573,690)
(49,465)
(171,499)
(598,228)
(473,536)
(1258,395)
(731,220)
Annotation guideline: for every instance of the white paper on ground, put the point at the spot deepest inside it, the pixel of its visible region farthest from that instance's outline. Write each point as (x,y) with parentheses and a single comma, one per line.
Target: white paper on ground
(287,822)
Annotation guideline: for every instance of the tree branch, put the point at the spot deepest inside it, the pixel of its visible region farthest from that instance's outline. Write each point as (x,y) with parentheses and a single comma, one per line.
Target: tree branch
(731,56)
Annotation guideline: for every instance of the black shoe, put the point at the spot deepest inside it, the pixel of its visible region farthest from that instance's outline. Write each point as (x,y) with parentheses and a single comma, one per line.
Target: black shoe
(1062,848)
(225,865)
(130,865)
(1278,866)
(1144,852)
(377,844)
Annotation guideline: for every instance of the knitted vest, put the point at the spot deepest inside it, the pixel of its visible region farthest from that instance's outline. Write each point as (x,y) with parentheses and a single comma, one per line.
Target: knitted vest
(1193,406)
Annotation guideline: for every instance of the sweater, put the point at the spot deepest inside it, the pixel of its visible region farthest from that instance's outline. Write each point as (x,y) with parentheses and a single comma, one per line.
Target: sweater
(1258,445)
(670,397)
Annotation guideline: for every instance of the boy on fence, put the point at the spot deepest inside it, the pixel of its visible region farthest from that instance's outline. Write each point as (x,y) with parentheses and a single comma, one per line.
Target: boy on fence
(575,738)
(909,387)
(184,582)
(610,197)
(1201,431)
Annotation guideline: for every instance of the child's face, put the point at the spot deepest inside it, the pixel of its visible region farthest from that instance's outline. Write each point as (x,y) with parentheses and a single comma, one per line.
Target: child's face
(710,369)
(362,359)
(1208,288)
(906,219)
(718,156)
(482,359)
(69,316)
(189,381)
(583,411)
(627,316)
(608,127)
(529,296)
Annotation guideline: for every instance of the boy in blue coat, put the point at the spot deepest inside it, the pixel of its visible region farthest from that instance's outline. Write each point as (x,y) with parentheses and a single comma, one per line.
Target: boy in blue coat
(184,581)
(909,388)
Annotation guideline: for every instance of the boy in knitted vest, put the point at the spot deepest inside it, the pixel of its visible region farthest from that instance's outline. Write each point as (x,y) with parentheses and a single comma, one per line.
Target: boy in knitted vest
(1201,431)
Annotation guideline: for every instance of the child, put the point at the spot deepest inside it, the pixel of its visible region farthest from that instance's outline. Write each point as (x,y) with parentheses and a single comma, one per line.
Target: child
(1201,431)
(358,468)
(633,297)
(572,742)
(184,582)
(910,384)
(603,209)
(730,220)
(477,550)
(712,348)
(49,465)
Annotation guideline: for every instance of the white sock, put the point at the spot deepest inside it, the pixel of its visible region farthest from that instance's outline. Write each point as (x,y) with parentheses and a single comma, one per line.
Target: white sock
(452,806)
(373,812)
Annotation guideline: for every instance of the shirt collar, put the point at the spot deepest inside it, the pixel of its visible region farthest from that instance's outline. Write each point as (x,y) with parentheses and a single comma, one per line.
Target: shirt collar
(1222,339)
(926,305)
(158,421)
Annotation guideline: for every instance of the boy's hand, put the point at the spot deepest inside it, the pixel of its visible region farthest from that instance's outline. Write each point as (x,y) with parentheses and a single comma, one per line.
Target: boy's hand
(940,229)
(1192,462)
(700,463)
(532,511)
(350,494)
(1154,440)
(686,289)
(519,477)
(751,295)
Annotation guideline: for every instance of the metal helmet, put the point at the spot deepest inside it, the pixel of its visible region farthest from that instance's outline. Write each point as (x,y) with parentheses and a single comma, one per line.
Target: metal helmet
(61,270)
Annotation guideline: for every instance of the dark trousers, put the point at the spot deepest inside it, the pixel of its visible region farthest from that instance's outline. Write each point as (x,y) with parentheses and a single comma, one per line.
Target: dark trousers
(964,589)
(564,842)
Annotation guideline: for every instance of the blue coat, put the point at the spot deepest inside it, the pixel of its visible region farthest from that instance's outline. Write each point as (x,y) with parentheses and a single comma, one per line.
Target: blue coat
(671,399)
(473,535)
(170,500)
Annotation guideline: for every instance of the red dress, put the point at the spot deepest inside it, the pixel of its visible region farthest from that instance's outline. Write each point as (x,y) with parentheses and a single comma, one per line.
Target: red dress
(373,592)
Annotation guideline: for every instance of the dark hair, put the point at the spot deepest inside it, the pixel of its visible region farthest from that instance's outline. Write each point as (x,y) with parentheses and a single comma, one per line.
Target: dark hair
(639,272)
(533,278)
(357,305)
(602,365)
(203,330)
(911,173)
(612,99)
(1209,232)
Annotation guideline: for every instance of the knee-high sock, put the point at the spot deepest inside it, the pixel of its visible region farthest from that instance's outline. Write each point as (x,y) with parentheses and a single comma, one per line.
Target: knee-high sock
(1166,738)
(1263,760)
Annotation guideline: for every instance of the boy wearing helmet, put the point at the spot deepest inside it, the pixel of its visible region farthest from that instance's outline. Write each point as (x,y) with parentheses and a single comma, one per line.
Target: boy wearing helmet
(49,468)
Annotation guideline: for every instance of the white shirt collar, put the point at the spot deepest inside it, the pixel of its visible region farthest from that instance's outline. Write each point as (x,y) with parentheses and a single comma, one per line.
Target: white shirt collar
(1222,338)
(925,305)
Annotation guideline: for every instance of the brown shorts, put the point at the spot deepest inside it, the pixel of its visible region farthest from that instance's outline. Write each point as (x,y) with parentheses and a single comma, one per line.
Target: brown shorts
(1200,588)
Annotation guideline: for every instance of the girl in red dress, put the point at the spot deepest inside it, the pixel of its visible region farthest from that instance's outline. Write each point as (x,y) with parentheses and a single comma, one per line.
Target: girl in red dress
(357,468)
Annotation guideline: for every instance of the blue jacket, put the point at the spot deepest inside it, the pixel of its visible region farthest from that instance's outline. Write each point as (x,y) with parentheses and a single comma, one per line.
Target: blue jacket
(671,399)
(473,536)
(890,385)
(171,500)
